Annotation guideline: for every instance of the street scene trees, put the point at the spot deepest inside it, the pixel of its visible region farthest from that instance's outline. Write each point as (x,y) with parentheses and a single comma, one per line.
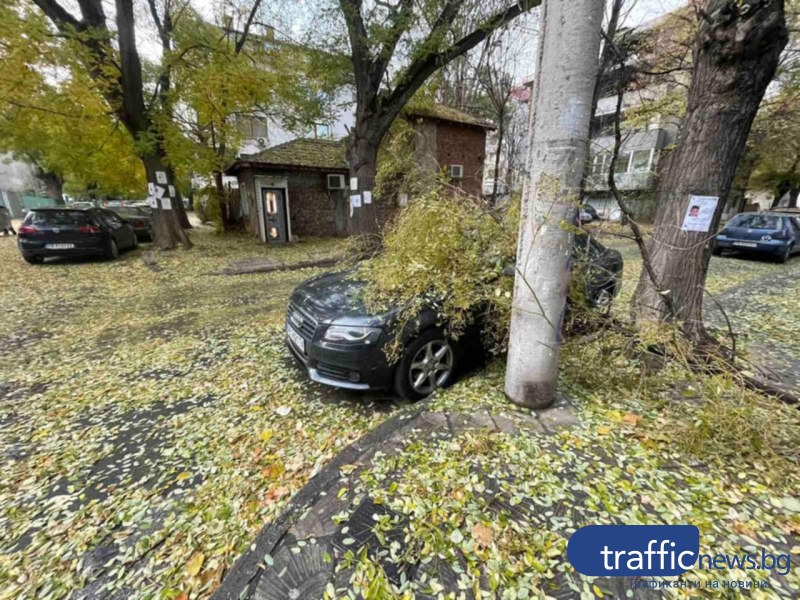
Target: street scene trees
(397,300)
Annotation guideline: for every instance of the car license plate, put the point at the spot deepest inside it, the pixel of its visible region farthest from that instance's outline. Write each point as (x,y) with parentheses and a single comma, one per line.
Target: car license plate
(296,339)
(59,246)
(746,244)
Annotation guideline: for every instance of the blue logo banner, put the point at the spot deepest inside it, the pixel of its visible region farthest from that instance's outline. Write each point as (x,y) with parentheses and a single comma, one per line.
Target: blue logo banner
(634,550)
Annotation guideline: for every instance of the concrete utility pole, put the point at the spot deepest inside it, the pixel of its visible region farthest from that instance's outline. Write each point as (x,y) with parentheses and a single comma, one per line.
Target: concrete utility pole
(564,87)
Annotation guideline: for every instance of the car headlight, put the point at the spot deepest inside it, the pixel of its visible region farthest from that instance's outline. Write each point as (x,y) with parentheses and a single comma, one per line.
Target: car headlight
(352,333)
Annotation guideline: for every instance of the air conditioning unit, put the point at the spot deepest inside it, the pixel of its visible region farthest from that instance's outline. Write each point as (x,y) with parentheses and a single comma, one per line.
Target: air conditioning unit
(336,182)
(262,142)
(456,171)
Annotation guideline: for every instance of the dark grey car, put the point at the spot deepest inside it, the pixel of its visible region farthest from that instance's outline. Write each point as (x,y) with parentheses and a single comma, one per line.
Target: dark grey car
(341,344)
(60,231)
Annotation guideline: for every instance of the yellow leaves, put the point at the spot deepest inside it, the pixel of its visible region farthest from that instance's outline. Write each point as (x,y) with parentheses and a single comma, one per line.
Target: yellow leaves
(183,476)
(603,430)
(483,534)
(274,470)
(597,591)
(195,564)
(631,419)
(265,435)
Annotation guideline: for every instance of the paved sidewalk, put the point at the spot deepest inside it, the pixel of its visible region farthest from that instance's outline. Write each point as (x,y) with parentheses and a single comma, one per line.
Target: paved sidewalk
(297,556)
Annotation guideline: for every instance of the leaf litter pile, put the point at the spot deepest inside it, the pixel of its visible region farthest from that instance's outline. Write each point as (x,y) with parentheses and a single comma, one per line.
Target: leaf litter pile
(152,422)
(655,445)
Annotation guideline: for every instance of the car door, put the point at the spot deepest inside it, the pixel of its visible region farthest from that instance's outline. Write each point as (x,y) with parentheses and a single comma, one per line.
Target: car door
(794,229)
(120,231)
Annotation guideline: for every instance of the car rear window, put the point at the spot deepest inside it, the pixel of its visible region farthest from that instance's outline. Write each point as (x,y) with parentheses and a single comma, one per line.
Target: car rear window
(59,217)
(757,222)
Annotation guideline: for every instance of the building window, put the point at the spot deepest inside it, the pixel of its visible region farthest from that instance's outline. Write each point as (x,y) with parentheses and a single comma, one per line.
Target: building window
(252,128)
(322,131)
(623,162)
(601,163)
(640,161)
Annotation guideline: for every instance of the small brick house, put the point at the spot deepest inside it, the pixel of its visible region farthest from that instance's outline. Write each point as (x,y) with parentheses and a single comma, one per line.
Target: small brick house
(300,188)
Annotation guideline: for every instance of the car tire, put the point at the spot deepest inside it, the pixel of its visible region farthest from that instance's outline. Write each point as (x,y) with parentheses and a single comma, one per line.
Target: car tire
(416,377)
(135,242)
(786,254)
(33,260)
(716,251)
(112,252)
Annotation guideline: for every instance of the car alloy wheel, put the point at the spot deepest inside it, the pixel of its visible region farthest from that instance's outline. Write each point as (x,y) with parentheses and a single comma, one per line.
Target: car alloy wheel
(431,367)
(603,298)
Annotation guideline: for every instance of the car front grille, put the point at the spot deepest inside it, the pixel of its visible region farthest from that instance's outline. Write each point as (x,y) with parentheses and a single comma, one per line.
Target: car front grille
(301,321)
(332,372)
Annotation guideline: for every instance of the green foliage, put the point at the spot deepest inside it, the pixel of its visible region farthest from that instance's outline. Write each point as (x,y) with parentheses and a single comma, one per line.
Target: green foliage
(53,115)
(445,251)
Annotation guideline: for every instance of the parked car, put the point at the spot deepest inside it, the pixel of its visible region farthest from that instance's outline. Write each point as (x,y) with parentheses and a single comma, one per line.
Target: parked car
(60,231)
(139,219)
(340,344)
(591,210)
(82,204)
(771,233)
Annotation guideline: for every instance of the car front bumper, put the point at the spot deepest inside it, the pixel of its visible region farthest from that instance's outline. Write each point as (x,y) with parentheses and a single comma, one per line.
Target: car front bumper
(349,367)
(774,247)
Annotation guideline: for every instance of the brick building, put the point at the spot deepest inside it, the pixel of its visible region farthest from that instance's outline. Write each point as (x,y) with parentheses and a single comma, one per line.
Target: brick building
(300,188)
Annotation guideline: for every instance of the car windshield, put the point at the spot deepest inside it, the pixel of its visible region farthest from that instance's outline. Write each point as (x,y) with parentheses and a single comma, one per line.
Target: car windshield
(73,218)
(757,222)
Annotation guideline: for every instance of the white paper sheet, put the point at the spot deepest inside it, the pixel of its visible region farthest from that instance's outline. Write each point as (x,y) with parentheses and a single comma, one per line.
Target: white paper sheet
(367,197)
(700,213)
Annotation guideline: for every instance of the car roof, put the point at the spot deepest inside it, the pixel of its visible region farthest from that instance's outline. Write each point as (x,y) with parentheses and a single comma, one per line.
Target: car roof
(62,208)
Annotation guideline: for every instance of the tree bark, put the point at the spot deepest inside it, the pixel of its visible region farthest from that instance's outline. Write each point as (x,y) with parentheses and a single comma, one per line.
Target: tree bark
(362,160)
(53,185)
(565,83)
(167,229)
(500,132)
(735,57)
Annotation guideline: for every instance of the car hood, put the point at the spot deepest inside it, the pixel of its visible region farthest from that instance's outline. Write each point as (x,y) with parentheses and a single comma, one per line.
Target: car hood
(744,233)
(337,298)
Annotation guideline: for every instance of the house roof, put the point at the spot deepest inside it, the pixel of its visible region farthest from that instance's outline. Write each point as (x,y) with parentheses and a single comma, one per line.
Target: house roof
(302,153)
(447,113)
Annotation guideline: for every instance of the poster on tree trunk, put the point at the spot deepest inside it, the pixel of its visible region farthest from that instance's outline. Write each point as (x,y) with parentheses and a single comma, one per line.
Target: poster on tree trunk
(700,213)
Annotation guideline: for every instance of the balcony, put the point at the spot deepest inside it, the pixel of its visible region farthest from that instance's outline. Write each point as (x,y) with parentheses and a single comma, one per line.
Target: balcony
(637,163)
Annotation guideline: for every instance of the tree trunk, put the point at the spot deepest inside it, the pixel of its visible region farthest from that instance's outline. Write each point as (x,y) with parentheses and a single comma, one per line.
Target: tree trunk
(500,133)
(53,185)
(735,57)
(793,193)
(362,160)
(565,82)
(167,229)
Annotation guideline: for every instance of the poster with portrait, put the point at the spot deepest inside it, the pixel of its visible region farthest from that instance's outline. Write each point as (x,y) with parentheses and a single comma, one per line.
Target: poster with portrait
(700,213)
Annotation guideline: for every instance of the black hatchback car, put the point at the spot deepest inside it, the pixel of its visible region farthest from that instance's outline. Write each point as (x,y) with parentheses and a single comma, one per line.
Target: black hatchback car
(340,344)
(66,231)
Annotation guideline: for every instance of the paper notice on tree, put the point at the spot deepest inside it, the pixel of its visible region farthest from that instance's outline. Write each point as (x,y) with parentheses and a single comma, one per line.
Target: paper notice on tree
(151,188)
(700,213)
(166,204)
(172,191)
(161,177)
(159,191)
(354,183)
(367,197)
(152,202)
(355,200)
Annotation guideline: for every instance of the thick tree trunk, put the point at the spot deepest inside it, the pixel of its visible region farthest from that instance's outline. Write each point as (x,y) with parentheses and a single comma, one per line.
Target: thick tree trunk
(362,160)
(167,229)
(735,57)
(564,85)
